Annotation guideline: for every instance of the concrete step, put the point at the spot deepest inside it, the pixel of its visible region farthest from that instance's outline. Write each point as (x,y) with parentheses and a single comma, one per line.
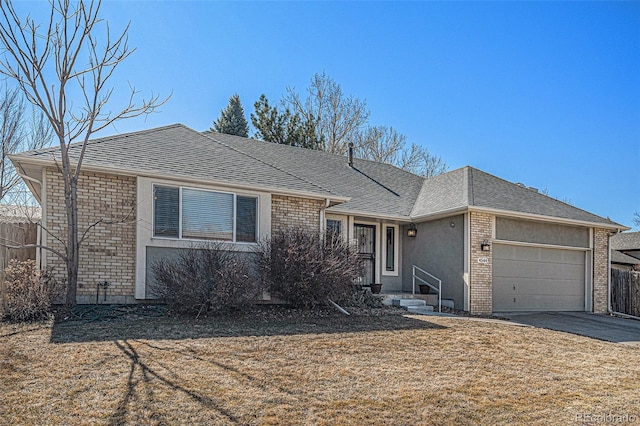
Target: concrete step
(420,309)
(403,303)
(432,299)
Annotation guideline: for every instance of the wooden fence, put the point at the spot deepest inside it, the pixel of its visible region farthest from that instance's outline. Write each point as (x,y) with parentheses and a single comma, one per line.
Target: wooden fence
(625,291)
(16,234)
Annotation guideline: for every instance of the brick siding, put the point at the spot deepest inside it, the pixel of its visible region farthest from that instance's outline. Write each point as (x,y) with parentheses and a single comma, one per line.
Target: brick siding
(109,252)
(481,276)
(600,270)
(292,212)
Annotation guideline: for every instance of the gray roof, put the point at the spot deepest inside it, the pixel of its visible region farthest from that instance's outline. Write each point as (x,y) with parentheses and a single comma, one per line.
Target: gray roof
(372,189)
(182,152)
(626,241)
(470,187)
(621,258)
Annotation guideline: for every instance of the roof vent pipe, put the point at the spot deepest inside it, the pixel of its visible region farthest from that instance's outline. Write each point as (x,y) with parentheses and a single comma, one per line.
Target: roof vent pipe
(350,154)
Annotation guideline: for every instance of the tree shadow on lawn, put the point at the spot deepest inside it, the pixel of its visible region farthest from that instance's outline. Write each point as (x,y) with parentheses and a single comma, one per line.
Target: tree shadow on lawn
(143,323)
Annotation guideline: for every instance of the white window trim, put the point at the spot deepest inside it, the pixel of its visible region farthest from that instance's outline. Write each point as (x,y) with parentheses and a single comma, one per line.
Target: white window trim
(144,223)
(343,219)
(383,244)
(181,238)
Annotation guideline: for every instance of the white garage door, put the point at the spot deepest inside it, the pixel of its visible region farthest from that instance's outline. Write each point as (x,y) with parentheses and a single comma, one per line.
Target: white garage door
(537,279)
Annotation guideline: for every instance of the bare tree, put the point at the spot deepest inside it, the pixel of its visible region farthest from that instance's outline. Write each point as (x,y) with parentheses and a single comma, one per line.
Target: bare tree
(386,145)
(54,62)
(337,118)
(18,134)
(636,219)
(11,116)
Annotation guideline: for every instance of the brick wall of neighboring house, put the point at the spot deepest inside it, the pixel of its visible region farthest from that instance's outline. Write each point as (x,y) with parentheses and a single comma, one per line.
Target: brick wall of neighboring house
(109,251)
(600,270)
(291,212)
(480,289)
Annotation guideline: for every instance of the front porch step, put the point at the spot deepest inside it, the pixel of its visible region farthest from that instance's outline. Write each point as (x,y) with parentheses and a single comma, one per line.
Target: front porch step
(432,299)
(420,309)
(404,303)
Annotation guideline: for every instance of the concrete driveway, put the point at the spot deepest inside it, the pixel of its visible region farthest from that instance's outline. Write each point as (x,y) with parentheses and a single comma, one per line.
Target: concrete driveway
(597,326)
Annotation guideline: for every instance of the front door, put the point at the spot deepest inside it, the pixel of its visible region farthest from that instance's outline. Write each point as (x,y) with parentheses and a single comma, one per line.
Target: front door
(366,239)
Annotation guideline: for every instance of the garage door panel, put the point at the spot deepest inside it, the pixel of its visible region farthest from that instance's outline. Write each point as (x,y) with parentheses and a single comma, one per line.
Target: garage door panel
(538,303)
(531,286)
(538,279)
(541,270)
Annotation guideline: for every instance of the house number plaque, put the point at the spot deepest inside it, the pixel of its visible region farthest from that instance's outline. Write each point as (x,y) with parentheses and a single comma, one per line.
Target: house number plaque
(483,260)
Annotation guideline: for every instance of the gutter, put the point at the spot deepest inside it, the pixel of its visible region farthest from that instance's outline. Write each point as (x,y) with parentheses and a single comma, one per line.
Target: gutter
(507,213)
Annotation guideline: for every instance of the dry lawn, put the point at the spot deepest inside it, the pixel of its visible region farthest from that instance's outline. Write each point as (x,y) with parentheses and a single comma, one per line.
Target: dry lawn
(314,370)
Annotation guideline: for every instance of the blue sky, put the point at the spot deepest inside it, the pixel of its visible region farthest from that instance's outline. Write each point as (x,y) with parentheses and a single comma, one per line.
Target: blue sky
(544,93)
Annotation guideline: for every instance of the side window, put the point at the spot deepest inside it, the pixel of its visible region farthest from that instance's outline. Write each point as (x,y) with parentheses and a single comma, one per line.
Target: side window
(334,227)
(166,211)
(246,217)
(391,248)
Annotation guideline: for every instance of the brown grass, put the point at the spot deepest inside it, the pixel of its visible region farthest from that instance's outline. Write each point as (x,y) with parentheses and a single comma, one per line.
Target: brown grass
(317,369)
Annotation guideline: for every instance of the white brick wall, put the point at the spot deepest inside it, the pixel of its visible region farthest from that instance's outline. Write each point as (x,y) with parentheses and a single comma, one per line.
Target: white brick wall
(109,252)
(481,275)
(291,212)
(600,270)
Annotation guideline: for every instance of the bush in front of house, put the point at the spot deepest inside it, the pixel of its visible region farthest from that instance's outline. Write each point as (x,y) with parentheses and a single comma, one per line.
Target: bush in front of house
(306,268)
(205,279)
(29,293)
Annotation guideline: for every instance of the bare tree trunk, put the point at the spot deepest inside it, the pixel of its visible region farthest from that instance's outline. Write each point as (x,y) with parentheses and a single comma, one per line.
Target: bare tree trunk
(73,246)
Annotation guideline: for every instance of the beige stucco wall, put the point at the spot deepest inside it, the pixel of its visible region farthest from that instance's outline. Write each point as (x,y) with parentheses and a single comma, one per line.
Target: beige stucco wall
(109,251)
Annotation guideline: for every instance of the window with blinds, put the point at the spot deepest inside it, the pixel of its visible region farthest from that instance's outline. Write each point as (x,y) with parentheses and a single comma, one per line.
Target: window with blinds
(204,215)
(166,211)
(246,217)
(207,215)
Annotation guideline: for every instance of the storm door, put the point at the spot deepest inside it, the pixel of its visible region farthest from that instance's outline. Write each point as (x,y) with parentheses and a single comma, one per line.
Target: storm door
(366,239)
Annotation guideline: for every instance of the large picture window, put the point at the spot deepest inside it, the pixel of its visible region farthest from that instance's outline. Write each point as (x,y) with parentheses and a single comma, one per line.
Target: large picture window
(189,213)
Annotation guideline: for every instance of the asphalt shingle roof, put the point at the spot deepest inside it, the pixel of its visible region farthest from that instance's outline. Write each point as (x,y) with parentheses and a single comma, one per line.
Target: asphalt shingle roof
(373,189)
(617,257)
(626,241)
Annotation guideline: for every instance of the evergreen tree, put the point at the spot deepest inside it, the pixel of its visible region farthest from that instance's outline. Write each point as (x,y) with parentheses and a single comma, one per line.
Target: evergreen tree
(231,120)
(283,127)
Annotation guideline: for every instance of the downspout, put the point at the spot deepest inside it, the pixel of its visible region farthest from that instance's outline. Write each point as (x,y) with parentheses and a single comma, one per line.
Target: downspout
(321,226)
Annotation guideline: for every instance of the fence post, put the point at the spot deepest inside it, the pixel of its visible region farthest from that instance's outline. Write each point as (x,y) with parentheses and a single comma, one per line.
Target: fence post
(3,291)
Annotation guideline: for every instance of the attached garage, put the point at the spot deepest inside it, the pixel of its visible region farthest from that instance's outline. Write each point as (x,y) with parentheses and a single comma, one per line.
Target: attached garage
(534,278)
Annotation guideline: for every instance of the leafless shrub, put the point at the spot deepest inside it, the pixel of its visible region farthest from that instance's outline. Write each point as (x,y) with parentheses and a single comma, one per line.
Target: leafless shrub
(306,269)
(360,298)
(205,279)
(29,293)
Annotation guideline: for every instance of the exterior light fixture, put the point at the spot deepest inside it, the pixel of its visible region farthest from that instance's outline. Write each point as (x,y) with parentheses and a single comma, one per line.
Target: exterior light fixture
(485,246)
(412,231)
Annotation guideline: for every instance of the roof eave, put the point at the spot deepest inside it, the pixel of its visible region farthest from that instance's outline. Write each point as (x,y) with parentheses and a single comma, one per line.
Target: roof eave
(439,214)
(612,226)
(143,173)
(398,218)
